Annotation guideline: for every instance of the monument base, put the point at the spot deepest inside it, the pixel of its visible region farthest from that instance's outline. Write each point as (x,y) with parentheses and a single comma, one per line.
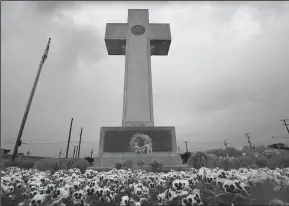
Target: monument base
(108,160)
(118,144)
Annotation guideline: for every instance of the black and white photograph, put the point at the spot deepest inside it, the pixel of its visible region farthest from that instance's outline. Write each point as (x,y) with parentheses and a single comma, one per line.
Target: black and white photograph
(141,103)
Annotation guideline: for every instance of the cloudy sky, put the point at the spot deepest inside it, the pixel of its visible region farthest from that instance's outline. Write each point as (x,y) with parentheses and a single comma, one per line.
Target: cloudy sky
(226,73)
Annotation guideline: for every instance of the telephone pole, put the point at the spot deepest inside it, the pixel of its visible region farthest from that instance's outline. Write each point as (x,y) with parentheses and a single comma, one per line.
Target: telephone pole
(18,140)
(251,147)
(186,143)
(68,142)
(79,142)
(285,123)
(91,152)
(226,145)
(248,137)
(179,149)
(60,154)
(74,151)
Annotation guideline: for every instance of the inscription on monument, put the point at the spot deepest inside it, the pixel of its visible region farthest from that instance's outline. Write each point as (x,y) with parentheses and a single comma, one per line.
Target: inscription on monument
(138,124)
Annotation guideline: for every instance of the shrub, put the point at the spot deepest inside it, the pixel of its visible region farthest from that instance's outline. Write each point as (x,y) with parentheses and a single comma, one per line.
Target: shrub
(64,164)
(261,161)
(89,159)
(118,165)
(202,159)
(223,163)
(185,157)
(140,163)
(278,161)
(245,161)
(156,166)
(127,164)
(24,164)
(253,166)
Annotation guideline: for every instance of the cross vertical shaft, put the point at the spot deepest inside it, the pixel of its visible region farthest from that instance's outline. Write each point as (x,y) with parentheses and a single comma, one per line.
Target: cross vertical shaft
(138,102)
(138,40)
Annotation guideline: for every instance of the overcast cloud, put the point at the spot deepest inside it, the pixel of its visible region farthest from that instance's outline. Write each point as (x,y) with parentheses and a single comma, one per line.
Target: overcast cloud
(226,73)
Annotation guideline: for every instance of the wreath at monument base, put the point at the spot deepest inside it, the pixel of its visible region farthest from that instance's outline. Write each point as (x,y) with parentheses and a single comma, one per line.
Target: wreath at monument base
(139,142)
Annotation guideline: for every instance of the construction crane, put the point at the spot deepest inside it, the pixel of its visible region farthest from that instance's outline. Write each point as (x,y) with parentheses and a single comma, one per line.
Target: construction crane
(18,141)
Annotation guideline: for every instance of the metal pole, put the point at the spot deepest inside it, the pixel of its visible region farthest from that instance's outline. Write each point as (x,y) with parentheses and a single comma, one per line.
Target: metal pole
(18,141)
(68,142)
(91,153)
(226,145)
(79,142)
(74,151)
(60,154)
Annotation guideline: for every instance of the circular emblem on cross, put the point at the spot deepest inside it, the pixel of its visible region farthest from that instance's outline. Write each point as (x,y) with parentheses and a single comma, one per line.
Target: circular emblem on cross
(138,30)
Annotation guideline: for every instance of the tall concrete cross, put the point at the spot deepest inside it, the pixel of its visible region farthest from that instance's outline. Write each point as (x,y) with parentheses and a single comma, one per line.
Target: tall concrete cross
(138,40)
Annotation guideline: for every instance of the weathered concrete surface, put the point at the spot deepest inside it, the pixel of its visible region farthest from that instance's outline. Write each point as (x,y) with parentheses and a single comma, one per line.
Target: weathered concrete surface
(137,46)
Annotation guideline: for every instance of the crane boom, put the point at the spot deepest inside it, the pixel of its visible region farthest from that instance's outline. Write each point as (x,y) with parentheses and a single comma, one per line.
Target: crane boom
(18,141)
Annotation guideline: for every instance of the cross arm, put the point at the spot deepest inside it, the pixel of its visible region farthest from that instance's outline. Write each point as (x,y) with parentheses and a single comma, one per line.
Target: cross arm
(115,38)
(160,39)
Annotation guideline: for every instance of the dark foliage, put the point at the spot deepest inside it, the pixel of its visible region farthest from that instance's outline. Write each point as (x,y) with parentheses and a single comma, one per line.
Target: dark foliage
(185,156)
(89,159)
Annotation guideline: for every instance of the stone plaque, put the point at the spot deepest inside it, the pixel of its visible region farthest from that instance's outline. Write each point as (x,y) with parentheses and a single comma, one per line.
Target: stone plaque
(132,139)
(138,30)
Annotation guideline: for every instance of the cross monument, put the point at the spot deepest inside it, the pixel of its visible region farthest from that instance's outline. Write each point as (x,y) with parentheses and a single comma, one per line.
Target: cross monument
(138,40)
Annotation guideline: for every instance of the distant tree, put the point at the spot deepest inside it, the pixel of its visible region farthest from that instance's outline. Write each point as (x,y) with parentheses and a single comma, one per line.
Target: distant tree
(218,152)
(232,152)
(260,149)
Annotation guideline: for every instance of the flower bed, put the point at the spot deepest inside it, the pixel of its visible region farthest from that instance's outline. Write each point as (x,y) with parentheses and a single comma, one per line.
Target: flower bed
(126,187)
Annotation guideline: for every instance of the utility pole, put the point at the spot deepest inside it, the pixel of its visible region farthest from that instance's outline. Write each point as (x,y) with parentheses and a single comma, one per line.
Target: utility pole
(249,141)
(74,151)
(285,123)
(18,140)
(79,142)
(248,137)
(226,145)
(179,149)
(68,142)
(91,152)
(186,143)
(60,154)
